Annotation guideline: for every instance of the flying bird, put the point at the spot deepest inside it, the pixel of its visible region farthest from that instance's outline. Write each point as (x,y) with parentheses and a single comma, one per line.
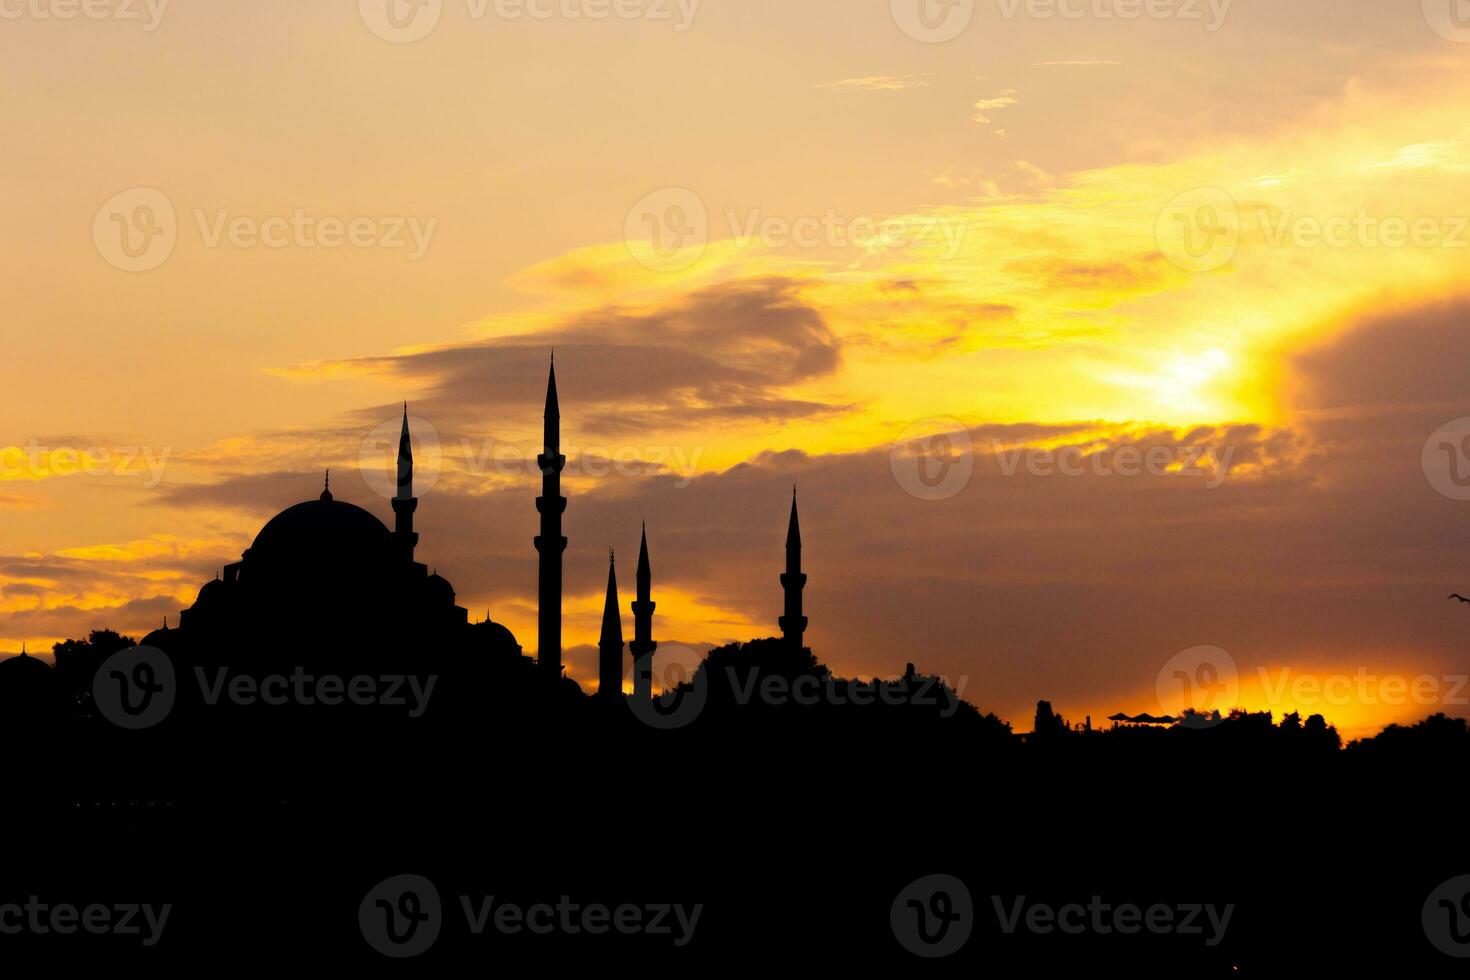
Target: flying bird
(1456,595)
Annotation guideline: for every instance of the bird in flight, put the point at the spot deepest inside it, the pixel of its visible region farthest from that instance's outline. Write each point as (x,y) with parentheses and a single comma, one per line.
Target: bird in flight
(1456,595)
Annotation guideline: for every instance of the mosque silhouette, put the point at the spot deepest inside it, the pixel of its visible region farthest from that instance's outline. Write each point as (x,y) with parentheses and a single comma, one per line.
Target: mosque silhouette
(326,579)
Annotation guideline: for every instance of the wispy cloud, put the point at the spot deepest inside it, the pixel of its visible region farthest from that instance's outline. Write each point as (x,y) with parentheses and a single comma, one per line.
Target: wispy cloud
(878,83)
(1004,100)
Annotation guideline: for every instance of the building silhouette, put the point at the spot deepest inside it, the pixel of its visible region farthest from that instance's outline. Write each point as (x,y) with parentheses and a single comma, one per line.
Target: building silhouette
(643,643)
(404,502)
(29,692)
(326,580)
(550,543)
(793,581)
(610,643)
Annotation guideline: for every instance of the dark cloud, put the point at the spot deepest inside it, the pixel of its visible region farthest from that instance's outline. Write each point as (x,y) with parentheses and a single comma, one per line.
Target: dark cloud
(1391,361)
(135,618)
(724,353)
(256,493)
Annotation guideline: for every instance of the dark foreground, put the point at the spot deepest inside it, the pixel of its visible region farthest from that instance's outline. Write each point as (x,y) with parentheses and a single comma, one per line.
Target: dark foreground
(518,822)
(775,852)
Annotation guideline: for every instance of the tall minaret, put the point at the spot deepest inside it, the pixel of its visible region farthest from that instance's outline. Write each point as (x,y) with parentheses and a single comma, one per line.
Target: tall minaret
(610,646)
(793,624)
(404,502)
(550,543)
(643,646)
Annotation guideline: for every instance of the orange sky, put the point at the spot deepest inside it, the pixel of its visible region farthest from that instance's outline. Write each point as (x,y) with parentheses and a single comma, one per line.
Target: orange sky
(752,228)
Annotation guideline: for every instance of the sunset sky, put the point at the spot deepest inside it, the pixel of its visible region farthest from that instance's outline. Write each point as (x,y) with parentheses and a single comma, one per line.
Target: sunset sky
(772,242)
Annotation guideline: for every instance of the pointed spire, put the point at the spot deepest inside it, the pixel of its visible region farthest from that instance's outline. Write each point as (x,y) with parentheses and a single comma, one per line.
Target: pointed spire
(644,571)
(793,581)
(643,644)
(612,621)
(793,531)
(553,409)
(23,649)
(405,459)
(327,487)
(551,542)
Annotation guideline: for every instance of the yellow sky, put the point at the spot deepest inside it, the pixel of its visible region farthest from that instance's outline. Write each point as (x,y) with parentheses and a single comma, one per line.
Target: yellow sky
(1035,223)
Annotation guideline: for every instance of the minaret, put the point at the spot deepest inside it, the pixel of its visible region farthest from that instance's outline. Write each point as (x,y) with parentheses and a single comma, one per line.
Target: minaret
(643,646)
(610,646)
(793,624)
(405,503)
(549,543)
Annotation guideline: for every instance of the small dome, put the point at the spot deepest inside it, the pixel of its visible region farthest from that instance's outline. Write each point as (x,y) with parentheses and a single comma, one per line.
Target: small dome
(494,638)
(212,590)
(438,589)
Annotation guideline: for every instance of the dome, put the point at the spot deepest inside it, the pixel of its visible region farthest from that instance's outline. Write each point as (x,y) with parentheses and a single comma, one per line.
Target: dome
(212,590)
(495,637)
(24,669)
(29,692)
(322,529)
(438,589)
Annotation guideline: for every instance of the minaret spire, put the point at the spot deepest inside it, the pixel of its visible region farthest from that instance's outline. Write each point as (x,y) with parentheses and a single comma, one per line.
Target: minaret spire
(327,488)
(404,502)
(793,580)
(610,645)
(643,646)
(550,543)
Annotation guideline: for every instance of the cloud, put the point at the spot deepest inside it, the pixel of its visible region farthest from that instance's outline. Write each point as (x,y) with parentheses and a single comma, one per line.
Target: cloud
(128,586)
(1072,64)
(135,617)
(878,83)
(1005,100)
(723,353)
(1390,360)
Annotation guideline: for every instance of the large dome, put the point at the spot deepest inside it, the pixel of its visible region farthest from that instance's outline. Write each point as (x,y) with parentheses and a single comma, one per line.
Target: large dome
(324,530)
(25,669)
